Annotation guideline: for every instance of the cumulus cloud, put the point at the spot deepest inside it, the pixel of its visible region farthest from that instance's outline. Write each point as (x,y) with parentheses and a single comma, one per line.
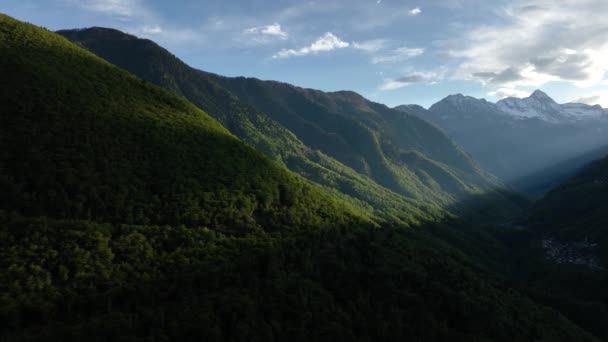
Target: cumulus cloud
(268,31)
(428,77)
(538,41)
(327,42)
(398,55)
(502,93)
(414,11)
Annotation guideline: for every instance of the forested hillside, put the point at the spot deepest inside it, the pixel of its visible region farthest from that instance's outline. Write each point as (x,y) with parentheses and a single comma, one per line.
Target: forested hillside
(149,61)
(400,166)
(82,139)
(400,152)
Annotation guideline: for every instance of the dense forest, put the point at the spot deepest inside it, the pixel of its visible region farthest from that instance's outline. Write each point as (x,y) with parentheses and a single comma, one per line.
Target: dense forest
(68,280)
(128,213)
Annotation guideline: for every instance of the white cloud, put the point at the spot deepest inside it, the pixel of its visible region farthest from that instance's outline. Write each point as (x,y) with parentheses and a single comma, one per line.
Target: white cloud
(427,77)
(168,35)
(502,93)
(141,21)
(327,42)
(273,30)
(538,41)
(414,11)
(374,45)
(600,98)
(392,85)
(154,29)
(122,8)
(398,55)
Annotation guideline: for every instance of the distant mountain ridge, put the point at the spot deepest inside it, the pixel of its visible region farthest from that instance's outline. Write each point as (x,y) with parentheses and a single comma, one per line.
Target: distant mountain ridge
(515,138)
(540,105)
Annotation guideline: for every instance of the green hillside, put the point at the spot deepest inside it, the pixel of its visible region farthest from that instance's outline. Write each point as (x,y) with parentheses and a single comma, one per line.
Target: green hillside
(130,215)
(398,151)
(151,62)
(378,149)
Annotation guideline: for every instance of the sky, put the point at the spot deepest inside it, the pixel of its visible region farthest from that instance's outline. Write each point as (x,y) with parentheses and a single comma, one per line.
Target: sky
(390,51)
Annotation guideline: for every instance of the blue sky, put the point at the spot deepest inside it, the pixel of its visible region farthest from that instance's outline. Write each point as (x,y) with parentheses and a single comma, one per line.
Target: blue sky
(391,51)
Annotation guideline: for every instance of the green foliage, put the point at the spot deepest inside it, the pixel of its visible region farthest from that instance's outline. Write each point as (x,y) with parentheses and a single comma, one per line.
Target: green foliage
(517,255)
(75,280)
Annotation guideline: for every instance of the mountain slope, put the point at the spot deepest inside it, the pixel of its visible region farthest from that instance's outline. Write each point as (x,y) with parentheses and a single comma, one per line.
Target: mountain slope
(424,180)
(94,142)
(151,62)
(398,151)
(514,147)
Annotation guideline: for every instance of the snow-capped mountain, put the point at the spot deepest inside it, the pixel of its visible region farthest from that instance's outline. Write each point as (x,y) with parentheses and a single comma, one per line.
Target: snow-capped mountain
(467,108)
(515,138)
(540,105)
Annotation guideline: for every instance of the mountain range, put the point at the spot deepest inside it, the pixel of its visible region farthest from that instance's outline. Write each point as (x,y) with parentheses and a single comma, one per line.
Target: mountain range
(145,200)
(539,105)
(516,138)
